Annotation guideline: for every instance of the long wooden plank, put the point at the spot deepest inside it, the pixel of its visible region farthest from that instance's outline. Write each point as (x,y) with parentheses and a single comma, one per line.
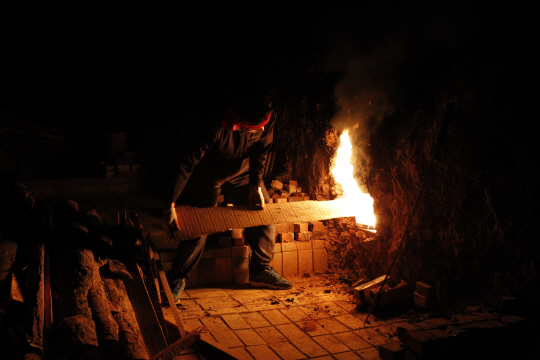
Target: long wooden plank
(153,335)
(195,222)
(168,293)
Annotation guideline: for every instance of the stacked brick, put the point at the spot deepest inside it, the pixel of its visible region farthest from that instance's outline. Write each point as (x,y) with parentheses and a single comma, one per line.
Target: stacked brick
(286,192)
(123,164)
(299,249)
(475,335)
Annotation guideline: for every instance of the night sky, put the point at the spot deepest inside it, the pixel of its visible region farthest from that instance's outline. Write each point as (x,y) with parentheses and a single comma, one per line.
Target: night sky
(110,68)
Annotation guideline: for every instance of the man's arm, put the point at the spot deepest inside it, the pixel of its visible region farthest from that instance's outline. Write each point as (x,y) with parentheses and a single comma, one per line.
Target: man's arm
(188,161)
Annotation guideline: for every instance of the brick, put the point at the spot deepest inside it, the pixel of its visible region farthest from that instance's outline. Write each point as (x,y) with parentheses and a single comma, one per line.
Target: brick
(277,263)
(224,241)
(421,301)
(352,340)
(286,237)
(240,251)
(304,245)
(237,233)
(240,265)
(206,273)
(302,236)
(289,246)
(255,319)
(300,227)
(214,324)
(262,352)
(316,226)
(349,355)
(293,183)
(291,188)
(438,323)
(239,353)
(235,321)
(284,194)
(223,252)
(223,270)
(295,198)
(305,262)
(277,248)
(298,189)
(277,184)
(275,317)
(422,342)
(238,242)
(250,337)
(389,295)
(320,260)
(287,227)
(319,244)
(166,266)
(330,344)
(465,319)
(227,338)
(484,327)
(271,335)
(318,235)
(403,329)
(290,263)
(308,347)
(280,200)
(94,190)
(162,241)
(167,255)
(278,228)
(350,321)
(393,350)
(424,289)
(332,325)
(191,281)
(287,351)
(208,254)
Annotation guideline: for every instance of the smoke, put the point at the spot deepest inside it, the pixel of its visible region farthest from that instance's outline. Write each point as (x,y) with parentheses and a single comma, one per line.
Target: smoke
(380,50)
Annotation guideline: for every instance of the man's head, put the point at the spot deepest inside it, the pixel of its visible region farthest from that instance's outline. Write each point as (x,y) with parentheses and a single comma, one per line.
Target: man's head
(248,109)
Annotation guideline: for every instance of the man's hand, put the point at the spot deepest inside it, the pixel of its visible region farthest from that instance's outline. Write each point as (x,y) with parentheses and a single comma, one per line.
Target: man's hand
(170,222)
(256,197)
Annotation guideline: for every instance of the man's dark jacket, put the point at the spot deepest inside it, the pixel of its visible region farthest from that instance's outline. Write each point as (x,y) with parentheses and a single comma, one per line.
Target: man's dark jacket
(225,154)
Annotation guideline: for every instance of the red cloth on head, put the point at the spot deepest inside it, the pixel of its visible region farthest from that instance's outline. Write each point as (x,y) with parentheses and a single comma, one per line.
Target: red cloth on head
(232,121)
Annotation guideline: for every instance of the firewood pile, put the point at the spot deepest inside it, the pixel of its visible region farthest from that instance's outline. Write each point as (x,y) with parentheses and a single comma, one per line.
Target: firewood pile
(84,310)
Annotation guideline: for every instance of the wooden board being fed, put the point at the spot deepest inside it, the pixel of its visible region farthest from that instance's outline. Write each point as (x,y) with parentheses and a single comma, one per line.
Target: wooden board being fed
(199,221)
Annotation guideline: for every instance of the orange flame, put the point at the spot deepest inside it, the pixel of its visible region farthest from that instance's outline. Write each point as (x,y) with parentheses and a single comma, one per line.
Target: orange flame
(343,171)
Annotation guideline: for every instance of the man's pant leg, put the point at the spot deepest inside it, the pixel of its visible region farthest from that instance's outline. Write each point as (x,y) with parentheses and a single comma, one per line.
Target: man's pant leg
(261,239)
(189,252)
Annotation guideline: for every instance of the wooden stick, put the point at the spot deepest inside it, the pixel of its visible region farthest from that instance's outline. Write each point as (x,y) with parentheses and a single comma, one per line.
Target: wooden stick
(168,293)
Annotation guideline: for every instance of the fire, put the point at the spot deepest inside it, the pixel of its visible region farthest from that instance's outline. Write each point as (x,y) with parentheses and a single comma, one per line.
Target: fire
(342,171)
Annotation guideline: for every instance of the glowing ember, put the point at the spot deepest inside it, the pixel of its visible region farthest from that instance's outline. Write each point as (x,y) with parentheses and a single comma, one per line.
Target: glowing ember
(343,174)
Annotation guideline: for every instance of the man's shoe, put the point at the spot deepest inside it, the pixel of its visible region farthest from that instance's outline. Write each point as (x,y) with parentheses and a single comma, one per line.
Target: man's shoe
(270,279)
(177,288)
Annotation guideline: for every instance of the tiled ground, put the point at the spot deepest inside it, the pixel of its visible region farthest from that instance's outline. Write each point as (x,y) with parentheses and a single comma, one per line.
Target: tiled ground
(313,320)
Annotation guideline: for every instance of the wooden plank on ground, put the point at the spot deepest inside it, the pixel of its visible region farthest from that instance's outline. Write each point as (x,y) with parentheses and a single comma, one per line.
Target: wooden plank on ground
(199,221)
(168,293)
(145,313)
